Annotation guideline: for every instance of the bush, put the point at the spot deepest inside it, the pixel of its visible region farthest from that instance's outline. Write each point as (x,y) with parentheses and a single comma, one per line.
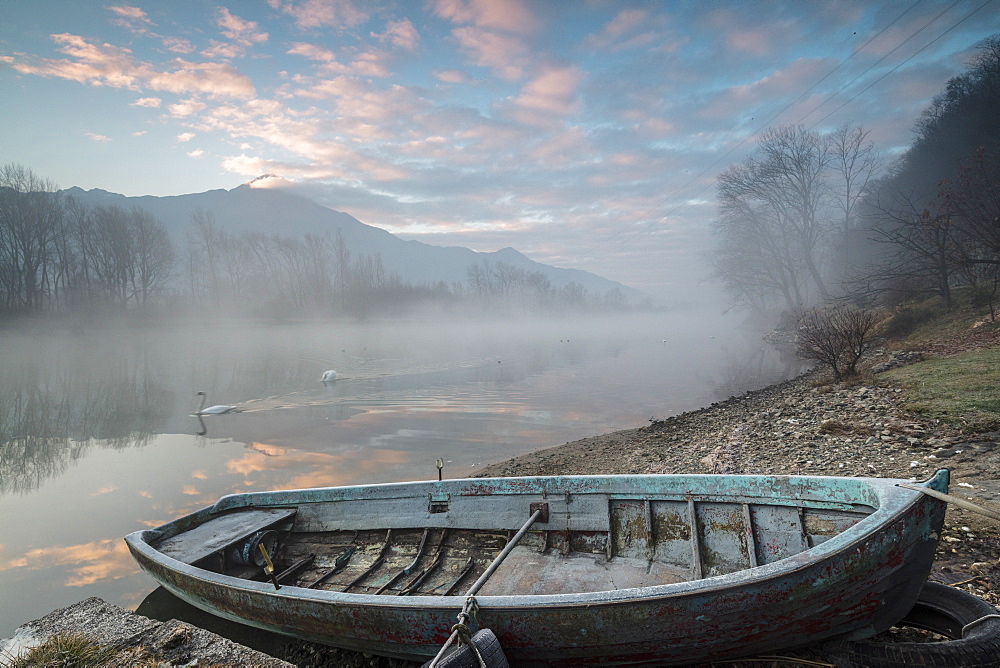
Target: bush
(905,320)
(983,297)
(838,337)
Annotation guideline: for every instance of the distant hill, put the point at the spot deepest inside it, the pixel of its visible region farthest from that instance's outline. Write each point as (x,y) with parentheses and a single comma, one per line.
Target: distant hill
(274,211)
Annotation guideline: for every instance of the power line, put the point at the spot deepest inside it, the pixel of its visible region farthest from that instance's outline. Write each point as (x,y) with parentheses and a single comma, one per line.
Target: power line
(647,232)
(882,59)
(914,55)
(764,125)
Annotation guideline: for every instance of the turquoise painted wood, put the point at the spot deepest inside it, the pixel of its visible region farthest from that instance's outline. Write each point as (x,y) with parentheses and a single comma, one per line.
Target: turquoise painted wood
(667,569)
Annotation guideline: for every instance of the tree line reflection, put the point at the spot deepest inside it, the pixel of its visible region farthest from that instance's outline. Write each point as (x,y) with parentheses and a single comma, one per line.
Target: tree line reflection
(50,418)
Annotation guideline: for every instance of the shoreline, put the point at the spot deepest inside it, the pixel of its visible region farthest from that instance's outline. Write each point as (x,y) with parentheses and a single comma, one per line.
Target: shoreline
(827,430)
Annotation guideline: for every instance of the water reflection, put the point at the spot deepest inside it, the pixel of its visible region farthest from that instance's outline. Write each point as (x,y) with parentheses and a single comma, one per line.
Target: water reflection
(754,369)
(81,564)
(50,417)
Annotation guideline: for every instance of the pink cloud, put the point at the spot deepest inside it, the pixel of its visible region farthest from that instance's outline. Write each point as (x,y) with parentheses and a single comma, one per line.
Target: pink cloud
(491,32)
(628,29)
(370,64)
(239,30)
(506,15)
(224,50)
(186,107)
(130,13)
(750,33)
(107,65)
(101,139)
(213,79)
(319,13)
(151,102)
(755,42)
(506,55)
(549,97)
(400,34)
(798,76)
(131,18)
(626,21)
(569,147)
(311,51)
(177,45)
(452,76)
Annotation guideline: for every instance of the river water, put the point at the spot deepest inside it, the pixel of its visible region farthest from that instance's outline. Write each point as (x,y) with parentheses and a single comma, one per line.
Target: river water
(97,436)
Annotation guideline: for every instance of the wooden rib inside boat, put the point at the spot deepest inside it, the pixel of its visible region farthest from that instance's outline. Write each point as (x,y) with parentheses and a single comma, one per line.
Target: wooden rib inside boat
(649,543)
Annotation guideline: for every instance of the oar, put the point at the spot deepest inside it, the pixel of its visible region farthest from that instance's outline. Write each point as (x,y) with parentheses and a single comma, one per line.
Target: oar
(960,502)
(540,510)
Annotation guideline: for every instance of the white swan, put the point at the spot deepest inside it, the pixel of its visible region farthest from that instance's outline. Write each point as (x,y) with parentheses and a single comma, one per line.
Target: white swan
(212,410)
(328,376)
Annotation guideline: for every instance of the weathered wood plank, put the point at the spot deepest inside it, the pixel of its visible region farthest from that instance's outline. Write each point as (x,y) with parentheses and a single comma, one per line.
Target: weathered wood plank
(221,532)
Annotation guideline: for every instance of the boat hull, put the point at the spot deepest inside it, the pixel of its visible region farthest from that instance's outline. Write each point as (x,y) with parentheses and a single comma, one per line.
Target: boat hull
(856,584)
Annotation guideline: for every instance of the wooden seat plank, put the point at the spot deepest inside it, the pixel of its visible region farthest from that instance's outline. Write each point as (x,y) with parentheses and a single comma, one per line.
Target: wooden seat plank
(220,532)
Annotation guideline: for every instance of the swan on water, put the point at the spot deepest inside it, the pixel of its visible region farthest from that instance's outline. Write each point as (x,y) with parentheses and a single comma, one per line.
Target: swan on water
(328,376)
(212,410)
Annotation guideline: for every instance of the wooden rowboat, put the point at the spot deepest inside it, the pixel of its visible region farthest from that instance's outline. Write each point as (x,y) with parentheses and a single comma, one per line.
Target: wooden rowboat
(665,569)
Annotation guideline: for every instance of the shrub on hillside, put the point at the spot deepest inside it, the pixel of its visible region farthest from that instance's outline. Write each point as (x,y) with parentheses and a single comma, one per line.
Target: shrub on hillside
(905,320)
(837,336)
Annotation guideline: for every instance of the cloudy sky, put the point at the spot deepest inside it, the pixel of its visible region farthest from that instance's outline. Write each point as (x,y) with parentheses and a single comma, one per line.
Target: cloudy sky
(583,133)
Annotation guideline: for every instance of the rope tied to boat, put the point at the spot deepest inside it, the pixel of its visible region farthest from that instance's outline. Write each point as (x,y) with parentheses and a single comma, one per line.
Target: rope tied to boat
(471,608)
(462,633)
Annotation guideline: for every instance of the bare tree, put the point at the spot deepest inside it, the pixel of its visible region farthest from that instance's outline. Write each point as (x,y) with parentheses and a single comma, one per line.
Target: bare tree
(112,253)
(342,264)
(153,255)
(837,336)
(204,243)
(30,223)
(854,161)
(795,162)
(757,255)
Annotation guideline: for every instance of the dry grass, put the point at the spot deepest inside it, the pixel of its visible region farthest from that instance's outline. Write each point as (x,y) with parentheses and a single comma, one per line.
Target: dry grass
(960,391)
(63,650)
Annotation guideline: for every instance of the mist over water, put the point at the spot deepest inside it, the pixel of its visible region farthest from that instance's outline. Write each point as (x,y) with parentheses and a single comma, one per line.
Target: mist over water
(98,436)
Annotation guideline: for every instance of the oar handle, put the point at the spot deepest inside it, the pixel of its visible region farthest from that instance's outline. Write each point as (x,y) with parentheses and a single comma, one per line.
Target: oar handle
(950,498)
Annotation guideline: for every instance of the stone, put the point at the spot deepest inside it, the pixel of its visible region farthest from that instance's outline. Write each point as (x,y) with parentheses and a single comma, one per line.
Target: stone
(138,639)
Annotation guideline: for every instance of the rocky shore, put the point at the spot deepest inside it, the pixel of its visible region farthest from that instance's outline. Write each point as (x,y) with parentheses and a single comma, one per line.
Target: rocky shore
(800,426)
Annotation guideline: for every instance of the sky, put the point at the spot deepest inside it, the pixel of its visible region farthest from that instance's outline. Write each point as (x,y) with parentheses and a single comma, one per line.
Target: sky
(586,134)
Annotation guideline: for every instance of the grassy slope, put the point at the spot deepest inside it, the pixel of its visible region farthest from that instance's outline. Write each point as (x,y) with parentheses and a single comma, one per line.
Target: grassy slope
(963,391)
(960,384)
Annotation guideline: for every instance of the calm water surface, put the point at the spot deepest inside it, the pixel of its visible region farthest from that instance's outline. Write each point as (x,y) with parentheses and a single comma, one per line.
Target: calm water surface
(97,437)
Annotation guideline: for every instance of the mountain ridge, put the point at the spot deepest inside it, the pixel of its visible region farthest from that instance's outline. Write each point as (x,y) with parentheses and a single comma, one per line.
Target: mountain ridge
(274,211)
